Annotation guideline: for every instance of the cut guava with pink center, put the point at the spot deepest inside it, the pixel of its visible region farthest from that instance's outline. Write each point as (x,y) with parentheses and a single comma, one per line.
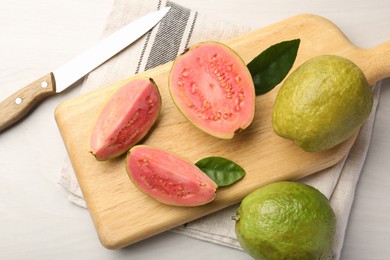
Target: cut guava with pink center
(212,86)
(125,118)
(168,178)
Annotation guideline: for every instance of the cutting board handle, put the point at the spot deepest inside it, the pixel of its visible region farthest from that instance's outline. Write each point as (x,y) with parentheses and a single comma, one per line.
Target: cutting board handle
(375,62)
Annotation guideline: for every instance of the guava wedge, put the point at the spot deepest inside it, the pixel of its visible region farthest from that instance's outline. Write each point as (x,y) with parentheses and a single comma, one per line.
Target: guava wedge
(168,178)
(125,118)
(212,87)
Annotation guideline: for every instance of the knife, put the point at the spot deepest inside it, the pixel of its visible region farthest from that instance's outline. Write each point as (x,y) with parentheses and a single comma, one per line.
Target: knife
(20,103)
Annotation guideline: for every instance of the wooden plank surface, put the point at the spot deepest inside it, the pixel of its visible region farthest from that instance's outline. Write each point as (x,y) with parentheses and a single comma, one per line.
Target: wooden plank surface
(123,215)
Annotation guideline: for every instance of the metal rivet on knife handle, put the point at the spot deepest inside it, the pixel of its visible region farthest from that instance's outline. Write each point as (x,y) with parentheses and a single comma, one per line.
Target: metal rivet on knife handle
(44,84)
(20,103)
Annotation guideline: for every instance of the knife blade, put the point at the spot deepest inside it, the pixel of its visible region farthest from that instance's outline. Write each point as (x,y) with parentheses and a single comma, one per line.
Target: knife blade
(20,103)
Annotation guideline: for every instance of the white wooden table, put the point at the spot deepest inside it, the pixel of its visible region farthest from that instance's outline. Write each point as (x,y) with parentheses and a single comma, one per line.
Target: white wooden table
(36,219)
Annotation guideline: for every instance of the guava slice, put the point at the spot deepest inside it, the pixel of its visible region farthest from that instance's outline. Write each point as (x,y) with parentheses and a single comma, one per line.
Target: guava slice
(168,178)
(212,86)
(125,118)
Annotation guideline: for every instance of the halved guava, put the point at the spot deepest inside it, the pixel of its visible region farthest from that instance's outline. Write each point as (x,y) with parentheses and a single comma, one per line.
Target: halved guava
(168,178)
(213,88)
(125,118)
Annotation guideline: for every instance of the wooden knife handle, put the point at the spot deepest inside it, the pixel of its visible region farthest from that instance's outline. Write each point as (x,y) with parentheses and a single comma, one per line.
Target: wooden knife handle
(20,103)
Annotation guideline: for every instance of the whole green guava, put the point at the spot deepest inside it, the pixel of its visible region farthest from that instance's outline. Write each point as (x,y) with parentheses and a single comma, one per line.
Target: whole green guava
(286,220)
(322,103)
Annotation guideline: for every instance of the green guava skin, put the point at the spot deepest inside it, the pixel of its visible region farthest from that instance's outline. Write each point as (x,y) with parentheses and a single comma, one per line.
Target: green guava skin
(322,103)
(286,220)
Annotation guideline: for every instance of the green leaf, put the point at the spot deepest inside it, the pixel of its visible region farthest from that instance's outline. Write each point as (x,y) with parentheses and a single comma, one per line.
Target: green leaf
(222,171)
(270,67)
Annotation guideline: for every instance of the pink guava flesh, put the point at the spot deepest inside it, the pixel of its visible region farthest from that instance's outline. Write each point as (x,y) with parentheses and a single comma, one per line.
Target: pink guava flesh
(126,118)
(212,87)
(169,178)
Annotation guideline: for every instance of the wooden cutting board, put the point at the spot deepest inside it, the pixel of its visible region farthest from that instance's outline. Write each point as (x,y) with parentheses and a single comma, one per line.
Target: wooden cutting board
(123,215)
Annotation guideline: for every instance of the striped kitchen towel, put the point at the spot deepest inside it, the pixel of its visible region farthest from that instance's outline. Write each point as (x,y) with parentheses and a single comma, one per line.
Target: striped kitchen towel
(178,30)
